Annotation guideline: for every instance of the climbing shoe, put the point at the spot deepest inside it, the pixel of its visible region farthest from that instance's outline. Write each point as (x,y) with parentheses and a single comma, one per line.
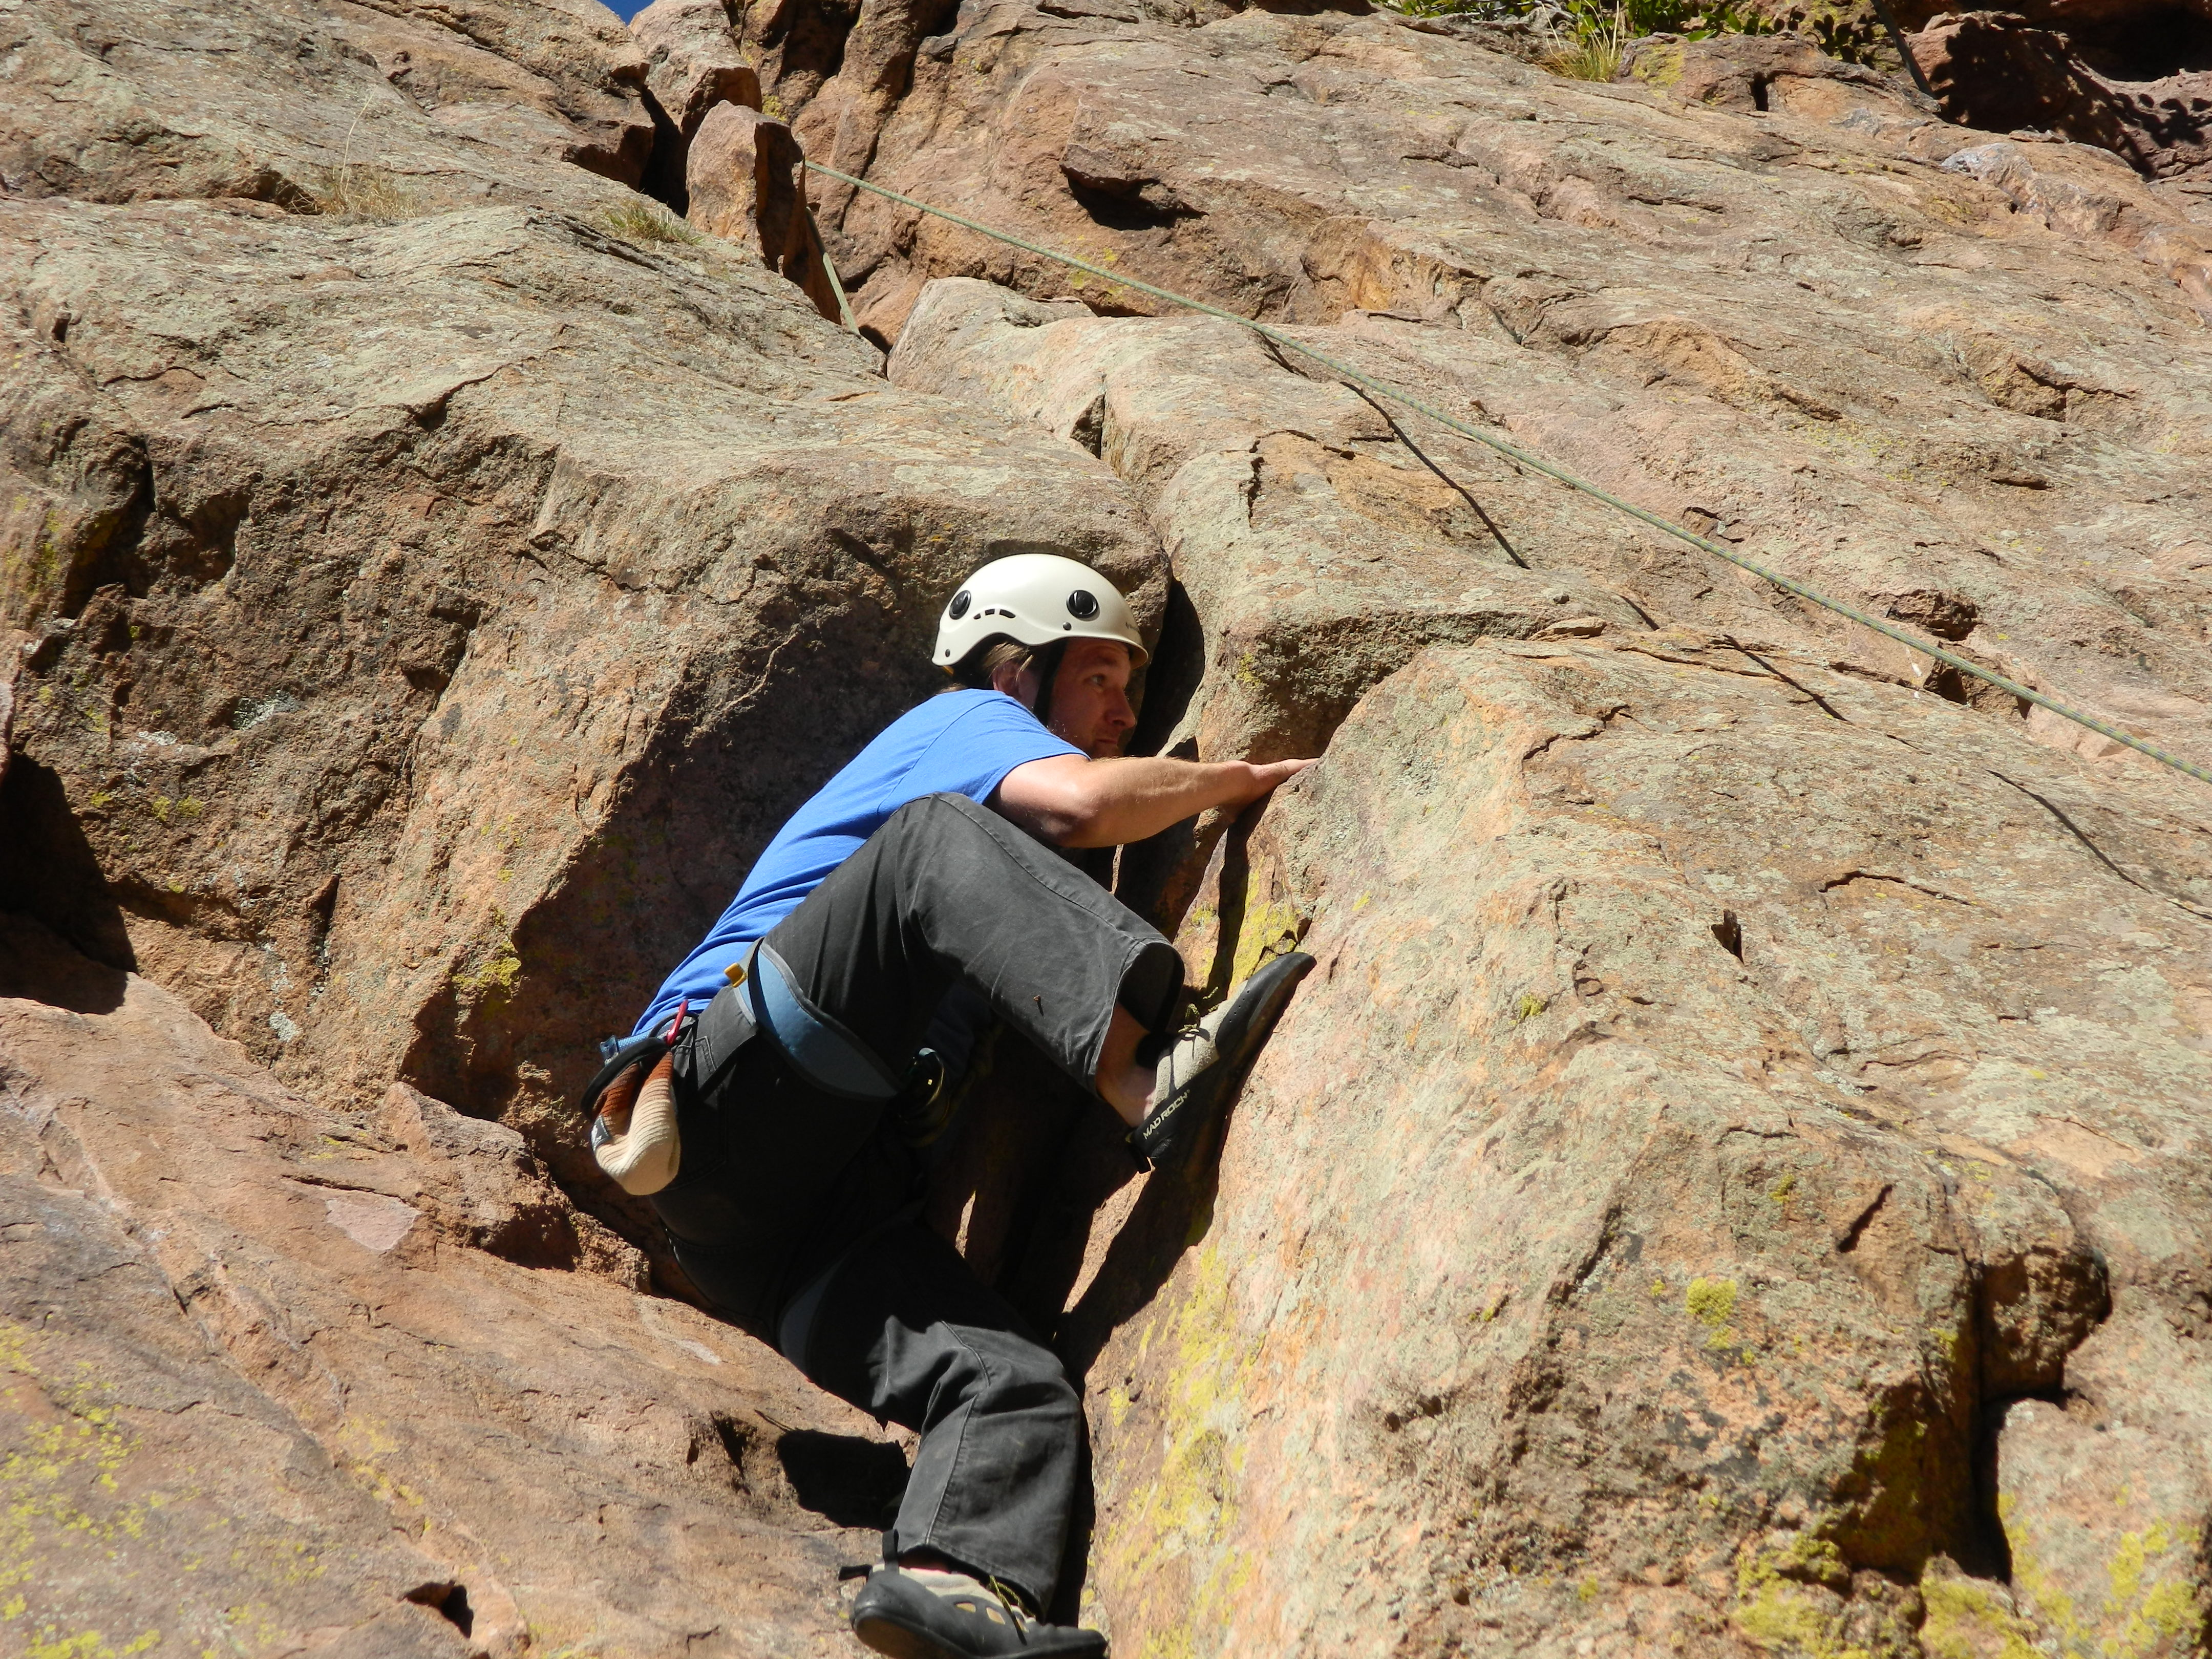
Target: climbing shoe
(1201,1065)
(923,1612)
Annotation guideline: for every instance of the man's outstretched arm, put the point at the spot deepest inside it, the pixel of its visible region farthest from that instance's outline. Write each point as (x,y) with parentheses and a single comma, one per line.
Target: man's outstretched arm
(1073,802)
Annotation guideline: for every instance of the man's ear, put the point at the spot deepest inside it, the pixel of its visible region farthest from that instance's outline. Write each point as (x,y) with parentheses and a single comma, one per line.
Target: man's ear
(1017,680)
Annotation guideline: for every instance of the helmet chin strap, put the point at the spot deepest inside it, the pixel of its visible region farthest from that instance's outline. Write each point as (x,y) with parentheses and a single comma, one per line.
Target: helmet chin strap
(1048,662)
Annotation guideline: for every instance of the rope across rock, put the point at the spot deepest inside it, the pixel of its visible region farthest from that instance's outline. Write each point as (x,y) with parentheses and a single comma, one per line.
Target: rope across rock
(1549,469)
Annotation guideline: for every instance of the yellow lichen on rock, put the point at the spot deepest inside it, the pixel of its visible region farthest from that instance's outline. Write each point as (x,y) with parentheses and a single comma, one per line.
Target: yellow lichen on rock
(1970,1620)
(1711,1302)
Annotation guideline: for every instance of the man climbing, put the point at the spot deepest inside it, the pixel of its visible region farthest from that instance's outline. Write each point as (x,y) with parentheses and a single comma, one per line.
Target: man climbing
(772,1096)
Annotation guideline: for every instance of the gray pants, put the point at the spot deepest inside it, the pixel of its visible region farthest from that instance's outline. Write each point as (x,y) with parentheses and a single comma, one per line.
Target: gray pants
(792,1209)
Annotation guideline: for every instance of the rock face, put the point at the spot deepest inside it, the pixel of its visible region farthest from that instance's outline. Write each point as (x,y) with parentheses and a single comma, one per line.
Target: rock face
(1744,1122)
(283,1377)
(1778,325)
(743,183)
(318,101)
(693,62)
(1992,69)
(1736,1182)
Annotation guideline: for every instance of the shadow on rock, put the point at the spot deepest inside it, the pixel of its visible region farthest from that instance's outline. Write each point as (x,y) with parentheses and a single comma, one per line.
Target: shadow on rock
(1172,1212)
(38,965)
(48,870)
(846,1479)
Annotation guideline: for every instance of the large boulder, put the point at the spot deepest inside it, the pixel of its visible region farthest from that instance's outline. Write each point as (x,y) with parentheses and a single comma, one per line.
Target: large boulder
(1993,69)
(1727,1087)
(272,1387)
(693,60)
(322,103)
(744,182)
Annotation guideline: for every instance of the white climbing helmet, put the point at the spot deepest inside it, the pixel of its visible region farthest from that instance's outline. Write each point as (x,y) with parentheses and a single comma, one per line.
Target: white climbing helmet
(1035,598)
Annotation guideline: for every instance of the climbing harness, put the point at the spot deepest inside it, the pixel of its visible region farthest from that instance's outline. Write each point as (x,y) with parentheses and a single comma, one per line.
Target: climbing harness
(630,1102)
(1537,464)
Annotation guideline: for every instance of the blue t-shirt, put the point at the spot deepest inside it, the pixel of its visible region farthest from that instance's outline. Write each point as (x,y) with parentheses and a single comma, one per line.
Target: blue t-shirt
(961,742)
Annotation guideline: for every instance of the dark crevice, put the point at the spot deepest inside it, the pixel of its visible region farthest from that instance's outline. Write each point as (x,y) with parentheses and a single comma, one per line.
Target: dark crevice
(49,870)
(2097,852)
(450,1602)
(1116,206)
(1794,684)
(1853,1233)
(1987,1552)
(2034,1307)
(1090,427)
(1949,684)
(665,167)
(1148,877)
(735,1441)
(1730,932)
(1982,1548)
(1420,455)
(1172,676)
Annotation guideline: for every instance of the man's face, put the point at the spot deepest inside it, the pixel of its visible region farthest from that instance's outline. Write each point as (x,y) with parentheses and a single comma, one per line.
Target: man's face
(1091,699)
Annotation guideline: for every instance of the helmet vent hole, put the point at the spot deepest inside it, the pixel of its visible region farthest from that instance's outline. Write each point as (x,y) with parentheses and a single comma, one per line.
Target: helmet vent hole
(1083,605)
(959,608)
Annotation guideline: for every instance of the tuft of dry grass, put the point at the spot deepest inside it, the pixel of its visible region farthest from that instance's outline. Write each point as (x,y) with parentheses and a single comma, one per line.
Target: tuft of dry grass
(362,192)
(1594,50)
(356,192)
(647,221)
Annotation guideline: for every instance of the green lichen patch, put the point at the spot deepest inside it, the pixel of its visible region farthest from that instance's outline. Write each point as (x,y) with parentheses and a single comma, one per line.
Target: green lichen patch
(493,979)
(1969,1619)
(1180,1535)
(1711,1302)
(2152,1604)
(1784,1604)
(1269,930)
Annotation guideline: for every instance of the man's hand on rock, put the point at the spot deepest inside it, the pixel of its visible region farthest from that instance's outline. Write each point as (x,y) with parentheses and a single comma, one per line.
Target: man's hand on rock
(1269,773)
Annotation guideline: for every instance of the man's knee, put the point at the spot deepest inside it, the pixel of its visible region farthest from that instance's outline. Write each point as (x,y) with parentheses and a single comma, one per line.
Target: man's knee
(1028,1376)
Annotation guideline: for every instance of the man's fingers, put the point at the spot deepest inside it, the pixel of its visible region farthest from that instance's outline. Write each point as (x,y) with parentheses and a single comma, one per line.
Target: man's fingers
(1282,771)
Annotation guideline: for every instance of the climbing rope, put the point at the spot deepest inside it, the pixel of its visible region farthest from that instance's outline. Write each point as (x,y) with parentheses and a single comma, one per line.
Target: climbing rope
(1537,464)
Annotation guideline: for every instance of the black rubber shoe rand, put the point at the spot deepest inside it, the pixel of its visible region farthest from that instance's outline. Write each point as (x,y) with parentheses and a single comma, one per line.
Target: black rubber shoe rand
(896,1615)
(1175,1123)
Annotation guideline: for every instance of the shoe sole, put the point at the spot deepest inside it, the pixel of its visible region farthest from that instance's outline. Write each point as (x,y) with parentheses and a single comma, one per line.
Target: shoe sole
(1251,1019)
(1273,982)
(897,1641)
